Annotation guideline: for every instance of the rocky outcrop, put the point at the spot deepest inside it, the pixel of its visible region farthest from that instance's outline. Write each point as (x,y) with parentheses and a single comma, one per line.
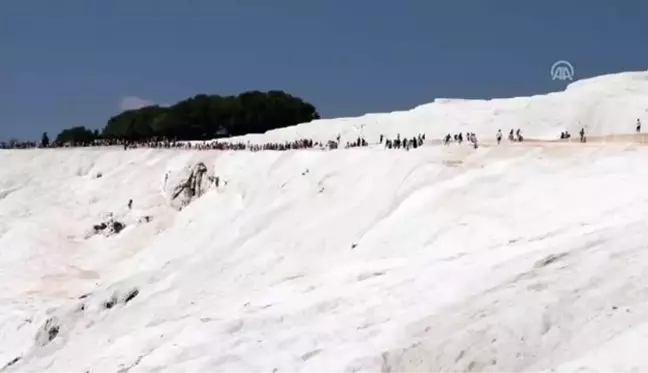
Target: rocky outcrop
(54,327)
(12,362)
(116,298)
(108,228)
(191,187)
(145,219)
(48,332)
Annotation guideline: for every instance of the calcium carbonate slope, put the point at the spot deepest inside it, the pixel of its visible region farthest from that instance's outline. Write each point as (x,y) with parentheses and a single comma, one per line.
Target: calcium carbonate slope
(524,256)
(602,105)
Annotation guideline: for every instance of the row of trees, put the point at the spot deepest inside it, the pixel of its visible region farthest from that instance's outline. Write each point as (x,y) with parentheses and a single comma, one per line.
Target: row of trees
(200,117)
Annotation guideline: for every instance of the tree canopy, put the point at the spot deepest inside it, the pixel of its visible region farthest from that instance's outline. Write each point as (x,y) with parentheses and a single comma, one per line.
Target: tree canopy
(78,135)
(202,117)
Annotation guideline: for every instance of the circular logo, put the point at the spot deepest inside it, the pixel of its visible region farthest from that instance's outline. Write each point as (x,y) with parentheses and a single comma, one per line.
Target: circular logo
(562,70)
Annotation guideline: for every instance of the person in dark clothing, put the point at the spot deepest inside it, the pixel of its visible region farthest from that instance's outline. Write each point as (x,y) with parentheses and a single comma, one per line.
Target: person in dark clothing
(130,204)
(518,135)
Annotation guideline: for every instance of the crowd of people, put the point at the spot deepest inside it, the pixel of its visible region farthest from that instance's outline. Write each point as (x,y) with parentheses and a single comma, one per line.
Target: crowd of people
(405,143)
(471,137)
(174,144)
(32,144)
(19,145)
(459,138)
(305,143)
(566,135)
(222,145)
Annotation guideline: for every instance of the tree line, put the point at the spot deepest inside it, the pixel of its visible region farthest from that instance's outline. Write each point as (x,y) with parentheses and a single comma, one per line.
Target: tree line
(201,117)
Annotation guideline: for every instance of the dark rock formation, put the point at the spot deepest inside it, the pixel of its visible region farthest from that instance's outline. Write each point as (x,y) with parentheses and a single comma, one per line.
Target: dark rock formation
(108,228)
(130,295)
(192,187)
(48,332)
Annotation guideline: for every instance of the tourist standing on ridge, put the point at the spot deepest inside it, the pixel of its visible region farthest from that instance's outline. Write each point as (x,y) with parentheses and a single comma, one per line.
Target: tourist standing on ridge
(518,135)
(638,125)
(499,136)
(473,139)
(446,140)
(582,135)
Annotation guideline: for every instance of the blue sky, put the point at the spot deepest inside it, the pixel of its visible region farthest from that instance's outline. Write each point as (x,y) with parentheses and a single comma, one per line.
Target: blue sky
(77,62)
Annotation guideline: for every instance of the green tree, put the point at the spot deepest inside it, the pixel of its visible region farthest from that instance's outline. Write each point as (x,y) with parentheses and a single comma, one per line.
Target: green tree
(76,136)
(204,117)
(133,124)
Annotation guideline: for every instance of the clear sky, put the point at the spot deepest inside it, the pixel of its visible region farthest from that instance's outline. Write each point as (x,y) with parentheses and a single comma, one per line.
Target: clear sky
(78,62)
